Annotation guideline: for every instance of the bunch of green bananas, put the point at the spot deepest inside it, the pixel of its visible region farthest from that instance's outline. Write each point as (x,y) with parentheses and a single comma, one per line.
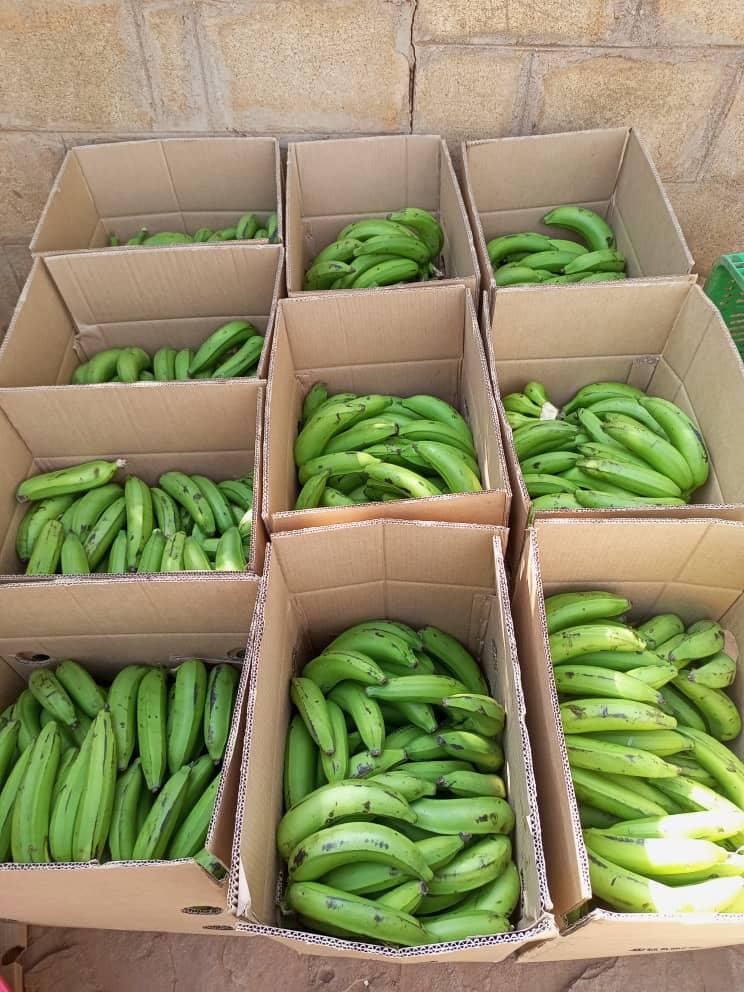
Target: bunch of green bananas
(661,798)
(403,247)
(536,258)
(248,228)
(370,853)
(127,772)
(612,446)
(231,351)
(81,520)
(361,449)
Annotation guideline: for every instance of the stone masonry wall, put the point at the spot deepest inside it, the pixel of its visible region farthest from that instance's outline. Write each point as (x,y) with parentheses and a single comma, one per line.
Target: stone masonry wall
(76,71)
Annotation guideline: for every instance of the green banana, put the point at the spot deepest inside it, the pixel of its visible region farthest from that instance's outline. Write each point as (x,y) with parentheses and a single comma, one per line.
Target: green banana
(122,703)
(508,244)
(8,746)
(364,712)
(541,436)
(51,694)
(27,711)
(139,516)
(66,762)
(483,752)
(34,520)
(104,532)
(573,642)
(719,711)
(476,711)
(384,645)
(463,783)
(331,847)
(372,877)
(328,907)
(164,364)
(172,556)
(151,558)
(455,658)
(162,820)
(102,367)
(222,688)
(603,756)
(240,363)
(655,676)
(408,786)
(97,800)
(30,818)
(632,478)
(483,862)
(588,224)
(425,224)
(458,476)
(683,434)
(331,803)
(89,508)
(602,260)
(660,628)
(314,398)
(416,688)
(185,726)
(151,726)
(597,391)
(188,495)
(705,825)
(194,557)
(336,766)
(202,772)
(47,550)
(623,801)
(684,712)
(390,271)
(189,838)
(123,830)
(587,680)
(500,896)
(82,687)
(705,641)
(334,666)
(588,716)
(655,451)
(468,815)
(718,672)
(8,796)
(299,762)
(238,492)
(311,494)
(574,608)
(364,764)
(166,511)
(219,343)
(130,363)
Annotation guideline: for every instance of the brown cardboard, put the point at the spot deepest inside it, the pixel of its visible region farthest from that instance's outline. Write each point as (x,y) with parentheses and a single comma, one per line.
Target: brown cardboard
(390,341)
(164,184)
(511,183)
(107,623)
(74,306)
(317,583)
(332,183)
(215,432)
(691,567)
(664,336)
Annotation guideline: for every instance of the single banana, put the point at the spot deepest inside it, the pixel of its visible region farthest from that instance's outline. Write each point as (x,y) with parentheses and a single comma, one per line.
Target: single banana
(384,645)
(655,451)
(27,711)
(408,786)
(339,800)
(104,532)
(188,495)
(588,716)
(588,224)
(483,862)
(131,363)
(219,343)
(72,558)
(122,703)
(8,745)
(719,711)
(473,711)
(725,767)
(35,518)
(473,784)
(684,712)
(76,479)
(331,847)
(151,559)
(455,658)
(683,434)
(242,362)
(315,397)
(162,820)
(47,550)
(185,728)
(500,896)
(166,511)
(96,804)
(336,766)
(655,676)
(222,688)
(82,687)
(151,726)
(508,244)
(332,667)
(718,672)
(124,829)
(300,757)
(364,764)
(621,800)
(704,641)
(364,712)
(458,476)
(51,694)
(8,796)
(360,917)
(164,364)
(571,643)
(425,224)
(603,756)
(573,679)
(416,688)
(570,609)
(660,628)
(469,815)
(189,838)
(704,825)
(29,834)
(541,436)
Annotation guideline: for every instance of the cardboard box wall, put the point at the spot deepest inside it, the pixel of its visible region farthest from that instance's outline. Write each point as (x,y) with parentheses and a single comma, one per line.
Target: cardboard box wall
(74,306)
(511,183)
(214,432)
(318,582)
(664,336)
(332,183)
(163,184)
(694,568)
(105,624)
(403,342)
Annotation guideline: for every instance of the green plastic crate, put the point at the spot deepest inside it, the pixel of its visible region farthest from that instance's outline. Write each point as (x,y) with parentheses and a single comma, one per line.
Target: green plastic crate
(725,286)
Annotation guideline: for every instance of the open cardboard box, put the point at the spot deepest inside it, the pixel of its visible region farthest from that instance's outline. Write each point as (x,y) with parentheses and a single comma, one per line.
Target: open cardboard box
(74,306)
(511,183)
(332,183)
(214,432)
(163,184)
(106,624)
(664,336)
(319,582)
(390,341)
(694,568)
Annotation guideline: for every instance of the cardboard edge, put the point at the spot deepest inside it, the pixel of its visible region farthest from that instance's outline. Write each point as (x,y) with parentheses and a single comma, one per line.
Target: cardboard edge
(446,159)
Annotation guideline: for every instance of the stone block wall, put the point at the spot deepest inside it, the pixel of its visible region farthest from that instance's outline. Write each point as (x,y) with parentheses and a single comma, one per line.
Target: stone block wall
(75,71)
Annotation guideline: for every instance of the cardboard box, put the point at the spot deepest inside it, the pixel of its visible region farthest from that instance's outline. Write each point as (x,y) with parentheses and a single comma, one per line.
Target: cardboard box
(332,183)
(215,432)
(163,184)
(105,624)
(511,183)
(664,336)
(389,341)
(74,306)
(319,582)
(691,567)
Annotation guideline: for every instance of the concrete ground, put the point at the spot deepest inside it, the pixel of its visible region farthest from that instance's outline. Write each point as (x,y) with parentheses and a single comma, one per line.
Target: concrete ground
(107,961)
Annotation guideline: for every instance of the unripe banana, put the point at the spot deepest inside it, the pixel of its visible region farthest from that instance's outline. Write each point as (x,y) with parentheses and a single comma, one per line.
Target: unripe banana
(622,801)
(483,752)
(299,762)
(151,726)
(364,712)
(49,691)
(47,549)
(718,672)
(573,679)
(27,711)
(185,728)
(103,533)
(602,756)
(573,608)
(189,838)
(122,703)
(683,434)
(8,796)
(476,711)
(332,667)
(720,712)
(162,820)
(82,687)
(704,641)
(35,518)
(684,712)
(76,479)
(385,645)
(188,495)
(222,688)
(96,804)
(30,821)
(336,766)
(484,815)
(408,786)
(705,825)
(328,907)
(572,642)
(331,847)
(124,828)
(336,801)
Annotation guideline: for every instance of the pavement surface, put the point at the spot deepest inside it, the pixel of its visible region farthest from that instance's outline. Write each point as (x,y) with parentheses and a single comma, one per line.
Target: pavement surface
(109,961)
